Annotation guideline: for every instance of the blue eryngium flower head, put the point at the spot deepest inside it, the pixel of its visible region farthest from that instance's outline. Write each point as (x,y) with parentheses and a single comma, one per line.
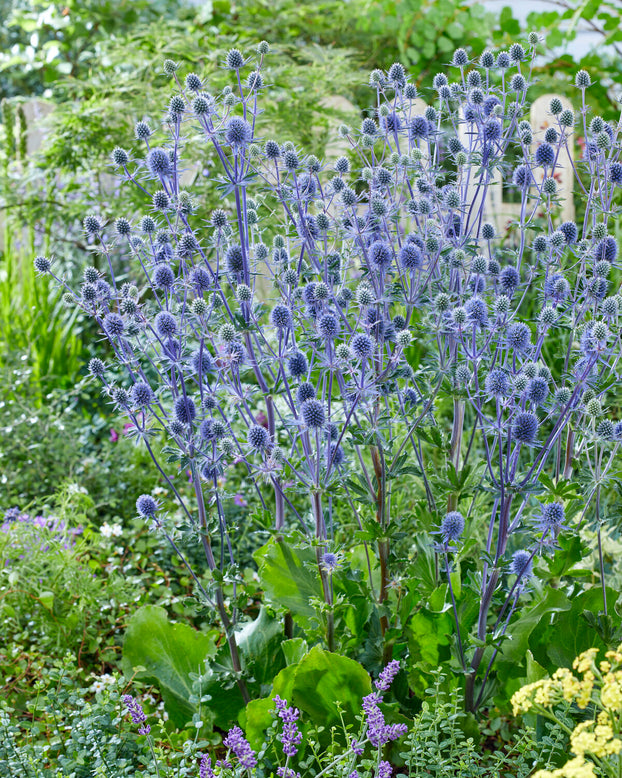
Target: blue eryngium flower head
(258,437)
(281,317)
(330,562)
(525,427)
(571,232)
(114,324)
(477,311)
(522,176)
(521,564)
(419,127)
(380,254)
(97,368)
(159,162)
(165,324)
(497,383)
(362,346)
(552,514)
(537,391)
(234,259)
(239,132)
(410,256)
(328,326)
(509,279)
(146,506)
(460,58)
(519,336)
(297,364)
(163,276)
(313,413)
(141,394)
(185,410)
(202,361)
(234,59)
(306,391)
(545,155)
(452,526)
(606,249)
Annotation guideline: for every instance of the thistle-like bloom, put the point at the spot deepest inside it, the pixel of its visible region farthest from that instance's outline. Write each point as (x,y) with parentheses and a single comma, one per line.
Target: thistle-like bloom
(159,163)
(239,132)
(498,383)
(552,516)
(146,506)
(525,428)
(521,564)
(452,526)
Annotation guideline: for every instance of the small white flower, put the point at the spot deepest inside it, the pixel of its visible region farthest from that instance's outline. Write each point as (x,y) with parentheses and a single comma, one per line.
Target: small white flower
(116,530)
(106,530)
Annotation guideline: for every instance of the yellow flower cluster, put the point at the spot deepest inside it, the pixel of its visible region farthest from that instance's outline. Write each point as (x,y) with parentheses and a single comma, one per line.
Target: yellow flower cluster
(575,768)
(593,741)
(611,690)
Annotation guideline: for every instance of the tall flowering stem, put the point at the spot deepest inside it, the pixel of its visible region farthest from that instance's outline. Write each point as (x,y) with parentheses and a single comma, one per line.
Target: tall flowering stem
(310,328)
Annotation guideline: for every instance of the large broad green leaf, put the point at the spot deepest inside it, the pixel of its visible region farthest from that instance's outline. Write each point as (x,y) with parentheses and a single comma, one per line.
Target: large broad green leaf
(576,633)
(169,654)
(514,650)
(326,683)
(173,655)
(326,687)
(259,642)
(257,716)
(259,646)
(289,580)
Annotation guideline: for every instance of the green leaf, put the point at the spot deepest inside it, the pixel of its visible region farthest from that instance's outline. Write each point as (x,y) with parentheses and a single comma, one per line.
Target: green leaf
(256,717)
(514,650)
(47,599)
(259,643)
(288,579)
(326,683)
(578,633)
(571,550)
(326,687)
(169,653)
(294,650)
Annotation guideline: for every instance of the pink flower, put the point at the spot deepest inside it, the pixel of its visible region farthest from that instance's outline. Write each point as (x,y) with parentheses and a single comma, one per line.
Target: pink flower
(126,427)
(240,501)
(114,435)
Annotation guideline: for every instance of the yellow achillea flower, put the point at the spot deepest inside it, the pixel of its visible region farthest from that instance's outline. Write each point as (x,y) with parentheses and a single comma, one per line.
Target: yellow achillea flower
(570,686)
(584,661)
(598,740)
(611,691)
(575,768)
(596,685)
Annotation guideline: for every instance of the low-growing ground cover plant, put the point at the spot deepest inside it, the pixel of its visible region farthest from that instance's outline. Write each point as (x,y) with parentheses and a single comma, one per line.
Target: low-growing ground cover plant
(112,732)
(345,333)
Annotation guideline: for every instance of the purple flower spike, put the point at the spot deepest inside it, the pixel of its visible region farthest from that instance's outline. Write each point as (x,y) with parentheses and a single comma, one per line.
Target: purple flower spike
(135,710)
(236,741)
(385,679)
(291,736)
